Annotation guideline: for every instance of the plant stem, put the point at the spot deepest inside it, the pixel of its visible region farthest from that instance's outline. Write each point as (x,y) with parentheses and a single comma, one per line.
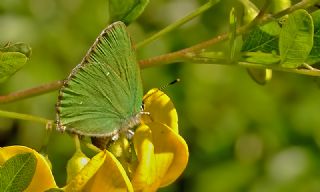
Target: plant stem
(27,117)
(181,54)
(92,147)
(308,70)
(172,57)
(314,72)
(31,92)
(178,23)
(77,142)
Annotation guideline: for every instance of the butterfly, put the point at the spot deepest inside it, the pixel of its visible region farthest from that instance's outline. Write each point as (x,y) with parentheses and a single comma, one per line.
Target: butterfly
(102,96)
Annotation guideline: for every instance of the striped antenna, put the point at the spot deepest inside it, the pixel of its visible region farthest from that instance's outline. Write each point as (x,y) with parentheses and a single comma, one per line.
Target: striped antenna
(164,87)
(171,83)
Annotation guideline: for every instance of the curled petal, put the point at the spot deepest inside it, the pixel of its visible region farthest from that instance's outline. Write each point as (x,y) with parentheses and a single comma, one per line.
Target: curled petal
(161,109)
(171,153)
(42,173)
(166,153)
(144,174)
(111,176)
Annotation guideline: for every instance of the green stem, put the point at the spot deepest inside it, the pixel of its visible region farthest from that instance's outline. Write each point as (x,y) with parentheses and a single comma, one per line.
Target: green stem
(259,20)
(172,57)
(178,23)
(22,116)
(44,146)
(314,72)
(308,70)
(92,147)
(181,54)
(31,92)
(77,143)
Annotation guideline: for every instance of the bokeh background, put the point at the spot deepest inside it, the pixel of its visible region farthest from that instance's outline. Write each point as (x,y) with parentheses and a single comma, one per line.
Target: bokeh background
(241,136)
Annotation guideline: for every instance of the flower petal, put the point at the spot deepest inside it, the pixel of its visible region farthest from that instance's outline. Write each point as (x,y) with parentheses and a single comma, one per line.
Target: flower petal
(42,174)
(171,153)
(144,174)
(162,155)
(111,176)
(161,109)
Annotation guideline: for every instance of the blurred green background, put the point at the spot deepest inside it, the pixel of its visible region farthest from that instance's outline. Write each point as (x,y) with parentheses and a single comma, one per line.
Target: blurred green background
(241,136)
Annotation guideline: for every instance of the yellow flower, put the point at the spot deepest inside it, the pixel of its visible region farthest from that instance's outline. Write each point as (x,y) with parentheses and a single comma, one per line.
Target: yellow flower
(155,157)
(161,154)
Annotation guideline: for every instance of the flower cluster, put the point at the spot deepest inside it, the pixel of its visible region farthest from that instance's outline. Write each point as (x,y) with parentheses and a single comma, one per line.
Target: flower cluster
(160,156)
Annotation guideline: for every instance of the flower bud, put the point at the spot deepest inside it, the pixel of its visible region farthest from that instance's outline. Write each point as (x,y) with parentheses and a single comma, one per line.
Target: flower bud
(75,164)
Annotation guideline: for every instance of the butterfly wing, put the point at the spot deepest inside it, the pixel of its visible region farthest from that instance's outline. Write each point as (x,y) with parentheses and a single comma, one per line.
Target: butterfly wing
(104,90)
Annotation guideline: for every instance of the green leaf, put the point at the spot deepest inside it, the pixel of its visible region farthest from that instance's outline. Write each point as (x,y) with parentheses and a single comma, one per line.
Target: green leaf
(264,38)
(17,172)
(17,47)
(314,55)
(126,10)
(261,58)
(10,63)
(296,39)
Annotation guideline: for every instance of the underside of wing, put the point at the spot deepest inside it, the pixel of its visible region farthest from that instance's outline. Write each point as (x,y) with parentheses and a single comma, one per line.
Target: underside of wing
(104,90)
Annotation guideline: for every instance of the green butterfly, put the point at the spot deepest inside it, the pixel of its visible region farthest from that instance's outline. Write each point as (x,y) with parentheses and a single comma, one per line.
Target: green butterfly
(103,94)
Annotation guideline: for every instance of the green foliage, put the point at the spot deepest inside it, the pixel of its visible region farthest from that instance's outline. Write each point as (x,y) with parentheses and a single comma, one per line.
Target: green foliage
(10,63)
(295,43)
(314,55)
(126,10)
(296,39)
(17,172)
(263,38)
(12,58)
(262,58)
(226,119)
(17,47)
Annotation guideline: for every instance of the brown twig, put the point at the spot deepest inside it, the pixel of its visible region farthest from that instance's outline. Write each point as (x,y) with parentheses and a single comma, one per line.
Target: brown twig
(167,58)
(31,92)
(180,55)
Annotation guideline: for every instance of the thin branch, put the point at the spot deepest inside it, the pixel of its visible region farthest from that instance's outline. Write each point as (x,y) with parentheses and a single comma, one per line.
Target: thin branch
(178,23)
(314,72)
(92,147)
(172,57)
(39,90)
(259,20)
(27,117)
